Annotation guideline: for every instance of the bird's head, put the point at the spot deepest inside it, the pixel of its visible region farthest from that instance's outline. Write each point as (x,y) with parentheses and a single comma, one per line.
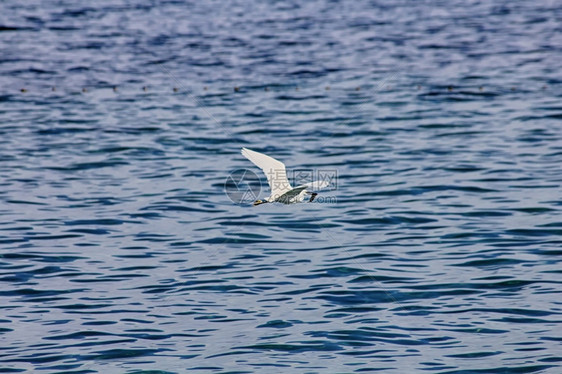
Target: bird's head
(258,202)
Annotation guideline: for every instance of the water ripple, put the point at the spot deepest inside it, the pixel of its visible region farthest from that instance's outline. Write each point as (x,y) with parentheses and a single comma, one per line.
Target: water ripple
(438,249)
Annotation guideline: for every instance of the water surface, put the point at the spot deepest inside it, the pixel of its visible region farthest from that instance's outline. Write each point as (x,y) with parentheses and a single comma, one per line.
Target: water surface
(438,251)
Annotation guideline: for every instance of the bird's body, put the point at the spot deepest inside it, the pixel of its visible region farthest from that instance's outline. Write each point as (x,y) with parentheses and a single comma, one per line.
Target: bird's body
(281,190)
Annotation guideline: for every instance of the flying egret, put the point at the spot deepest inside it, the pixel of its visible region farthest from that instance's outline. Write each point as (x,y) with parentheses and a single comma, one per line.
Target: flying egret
(281,190)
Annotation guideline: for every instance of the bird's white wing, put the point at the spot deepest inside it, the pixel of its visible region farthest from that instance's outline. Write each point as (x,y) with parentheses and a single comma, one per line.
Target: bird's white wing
(273,169)
(316,185)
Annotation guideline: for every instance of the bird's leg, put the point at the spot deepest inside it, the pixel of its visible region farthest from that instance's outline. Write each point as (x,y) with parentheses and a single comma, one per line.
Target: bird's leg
(312,196)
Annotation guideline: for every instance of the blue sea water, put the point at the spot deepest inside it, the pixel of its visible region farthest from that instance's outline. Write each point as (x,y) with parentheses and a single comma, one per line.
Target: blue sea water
(437,250)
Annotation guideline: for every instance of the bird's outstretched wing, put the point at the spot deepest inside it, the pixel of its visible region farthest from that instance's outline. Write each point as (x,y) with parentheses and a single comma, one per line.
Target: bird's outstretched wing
(273,169)
(316,185)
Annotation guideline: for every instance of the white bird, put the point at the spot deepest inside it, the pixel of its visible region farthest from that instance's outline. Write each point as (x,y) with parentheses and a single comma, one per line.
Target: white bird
(281,190)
